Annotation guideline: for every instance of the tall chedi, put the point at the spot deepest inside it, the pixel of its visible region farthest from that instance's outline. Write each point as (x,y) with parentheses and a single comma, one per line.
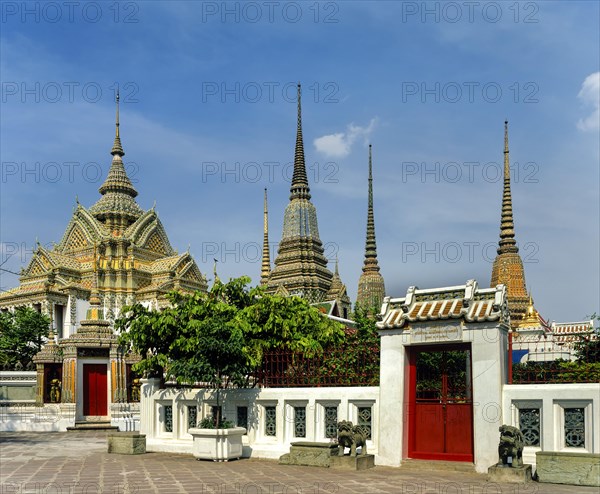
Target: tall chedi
(371,287)
(300,265)
(508,266)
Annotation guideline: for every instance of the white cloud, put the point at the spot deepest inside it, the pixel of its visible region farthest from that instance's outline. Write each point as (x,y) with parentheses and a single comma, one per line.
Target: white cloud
(338,145)
(590,96)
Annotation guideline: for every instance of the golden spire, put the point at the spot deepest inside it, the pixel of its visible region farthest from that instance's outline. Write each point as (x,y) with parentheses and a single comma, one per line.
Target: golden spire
(507,227)
(531,318)
(508,265)
(266,258)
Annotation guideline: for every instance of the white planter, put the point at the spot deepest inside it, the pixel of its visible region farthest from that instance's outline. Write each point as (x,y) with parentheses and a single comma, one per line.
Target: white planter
(217,444)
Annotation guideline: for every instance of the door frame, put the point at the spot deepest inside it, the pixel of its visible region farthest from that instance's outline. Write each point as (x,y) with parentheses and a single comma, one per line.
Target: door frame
(412,408)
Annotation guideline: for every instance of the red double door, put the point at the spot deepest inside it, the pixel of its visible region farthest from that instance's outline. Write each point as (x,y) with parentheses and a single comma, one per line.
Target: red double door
(441,404)
(95,390)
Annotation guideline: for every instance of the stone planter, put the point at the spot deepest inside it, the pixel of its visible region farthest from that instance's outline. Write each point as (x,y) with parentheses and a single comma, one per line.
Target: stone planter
(217,444)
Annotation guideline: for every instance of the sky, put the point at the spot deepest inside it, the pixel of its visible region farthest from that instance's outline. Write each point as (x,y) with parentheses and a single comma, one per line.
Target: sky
(208,117)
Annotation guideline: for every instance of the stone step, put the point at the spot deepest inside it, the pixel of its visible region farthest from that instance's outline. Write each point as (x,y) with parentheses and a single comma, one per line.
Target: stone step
(93,426)
(437,465)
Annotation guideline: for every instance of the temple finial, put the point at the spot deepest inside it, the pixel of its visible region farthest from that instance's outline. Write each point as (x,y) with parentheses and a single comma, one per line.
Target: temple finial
(266,256)
(371,286)
(299,188)
(337,270)
(117,149)
(507,227)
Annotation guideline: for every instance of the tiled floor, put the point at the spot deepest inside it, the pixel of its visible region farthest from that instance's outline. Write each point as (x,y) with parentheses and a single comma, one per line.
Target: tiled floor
(77,462)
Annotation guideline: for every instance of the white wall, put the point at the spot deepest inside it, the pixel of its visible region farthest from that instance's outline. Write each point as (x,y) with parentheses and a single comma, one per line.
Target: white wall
(256,443)
(552,399)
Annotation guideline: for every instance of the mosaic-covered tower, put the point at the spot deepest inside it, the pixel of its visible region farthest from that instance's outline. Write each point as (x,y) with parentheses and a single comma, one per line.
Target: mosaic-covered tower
(300,265)
(508,266)
(371,287)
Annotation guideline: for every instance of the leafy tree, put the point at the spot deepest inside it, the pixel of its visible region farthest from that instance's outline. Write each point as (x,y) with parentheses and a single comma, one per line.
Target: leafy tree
(22,335)
(218,338)
(588,348)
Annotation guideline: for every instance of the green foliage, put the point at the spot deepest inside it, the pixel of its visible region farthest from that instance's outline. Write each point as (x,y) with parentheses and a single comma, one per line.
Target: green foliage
(274,322)
(210,422)
(219,337)
(556,371)
(350,362)
(22,335)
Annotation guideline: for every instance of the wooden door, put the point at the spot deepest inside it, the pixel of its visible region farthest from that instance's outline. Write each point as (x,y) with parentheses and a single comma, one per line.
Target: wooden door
(95,390)
(441,403)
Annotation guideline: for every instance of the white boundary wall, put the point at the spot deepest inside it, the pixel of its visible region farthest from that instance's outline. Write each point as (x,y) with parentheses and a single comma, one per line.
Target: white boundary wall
(552,400)
(257,443)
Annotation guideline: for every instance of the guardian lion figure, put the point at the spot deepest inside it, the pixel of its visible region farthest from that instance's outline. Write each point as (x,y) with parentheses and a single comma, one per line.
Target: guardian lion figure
(351,436)
(511,445)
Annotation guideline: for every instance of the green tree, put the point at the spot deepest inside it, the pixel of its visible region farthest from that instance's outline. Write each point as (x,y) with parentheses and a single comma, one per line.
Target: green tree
(218,338)
(588,348)
(22,335)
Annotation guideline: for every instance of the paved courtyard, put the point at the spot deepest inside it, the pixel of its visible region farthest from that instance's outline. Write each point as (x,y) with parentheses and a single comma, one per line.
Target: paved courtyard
(77,462)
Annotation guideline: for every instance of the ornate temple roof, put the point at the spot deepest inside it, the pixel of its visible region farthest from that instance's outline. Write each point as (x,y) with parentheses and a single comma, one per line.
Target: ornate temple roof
(464,302)
(371,287)
(508,265)
(114,243)
(300,265)
(337,290)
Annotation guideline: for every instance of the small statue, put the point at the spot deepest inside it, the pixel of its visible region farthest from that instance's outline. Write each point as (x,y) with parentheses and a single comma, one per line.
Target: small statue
(55,391)
(511,445)
(135,390)
(351,436)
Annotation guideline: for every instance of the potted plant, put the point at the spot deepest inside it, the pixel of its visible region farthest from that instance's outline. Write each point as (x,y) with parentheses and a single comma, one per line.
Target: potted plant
(220,442)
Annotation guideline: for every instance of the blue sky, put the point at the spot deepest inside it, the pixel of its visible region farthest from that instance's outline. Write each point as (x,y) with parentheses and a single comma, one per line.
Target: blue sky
(208,121)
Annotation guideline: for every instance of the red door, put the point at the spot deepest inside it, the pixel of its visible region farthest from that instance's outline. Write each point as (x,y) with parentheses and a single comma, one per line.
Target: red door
(441,404)
(95,392)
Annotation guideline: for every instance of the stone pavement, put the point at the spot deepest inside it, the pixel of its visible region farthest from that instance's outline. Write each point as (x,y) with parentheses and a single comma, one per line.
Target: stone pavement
(77,462)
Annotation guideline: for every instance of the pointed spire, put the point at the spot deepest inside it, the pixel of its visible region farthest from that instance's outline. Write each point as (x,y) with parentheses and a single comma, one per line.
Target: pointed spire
(266,257)
(299,188)
(117,149)
(371,286)
(117,205)
(508,266)
(370,263)
(507,227)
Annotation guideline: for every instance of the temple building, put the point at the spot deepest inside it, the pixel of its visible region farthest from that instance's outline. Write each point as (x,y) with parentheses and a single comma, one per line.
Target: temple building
(111,254)
(508,265)
(126,246)
(371,287)
(300,265)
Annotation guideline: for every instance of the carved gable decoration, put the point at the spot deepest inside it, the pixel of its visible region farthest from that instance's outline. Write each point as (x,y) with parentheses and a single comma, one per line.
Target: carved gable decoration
(37,267)
(76,239)
(156,244)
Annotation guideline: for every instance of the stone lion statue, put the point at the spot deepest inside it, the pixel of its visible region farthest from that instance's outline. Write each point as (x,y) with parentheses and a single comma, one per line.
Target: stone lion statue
(511,445)
(351,436)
